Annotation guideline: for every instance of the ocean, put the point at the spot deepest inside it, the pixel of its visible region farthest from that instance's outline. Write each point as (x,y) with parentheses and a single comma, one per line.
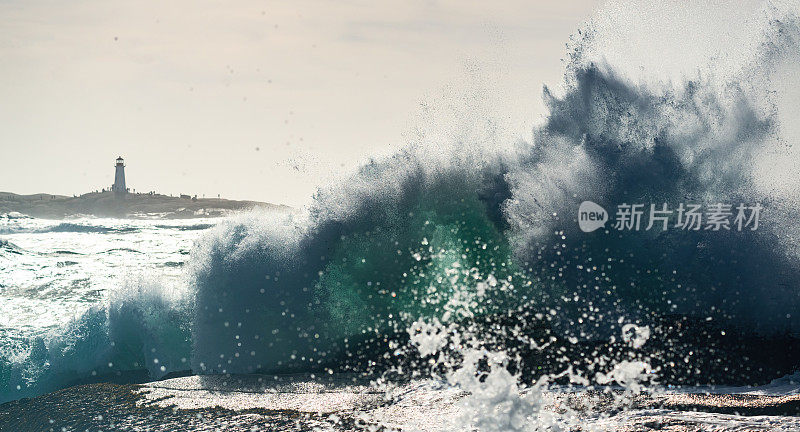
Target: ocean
(632,266)
(59,278)
(249,322)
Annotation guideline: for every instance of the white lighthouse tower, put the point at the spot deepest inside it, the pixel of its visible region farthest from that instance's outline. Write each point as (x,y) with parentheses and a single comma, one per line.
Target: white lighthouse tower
(119,177)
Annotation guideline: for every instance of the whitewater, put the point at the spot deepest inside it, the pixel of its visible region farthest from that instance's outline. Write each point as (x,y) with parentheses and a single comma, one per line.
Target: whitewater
(450,280)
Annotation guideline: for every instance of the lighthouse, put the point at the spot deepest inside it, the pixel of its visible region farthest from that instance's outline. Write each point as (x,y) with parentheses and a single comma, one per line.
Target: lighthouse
(119,177)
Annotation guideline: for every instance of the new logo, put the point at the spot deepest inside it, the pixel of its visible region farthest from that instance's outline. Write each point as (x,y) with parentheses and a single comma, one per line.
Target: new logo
(591,216)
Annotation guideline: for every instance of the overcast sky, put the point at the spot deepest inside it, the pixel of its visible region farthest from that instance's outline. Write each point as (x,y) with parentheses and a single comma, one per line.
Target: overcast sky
(251,99)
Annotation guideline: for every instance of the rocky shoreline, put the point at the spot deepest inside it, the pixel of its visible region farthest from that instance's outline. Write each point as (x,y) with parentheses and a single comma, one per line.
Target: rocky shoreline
(349,402)
(129,205)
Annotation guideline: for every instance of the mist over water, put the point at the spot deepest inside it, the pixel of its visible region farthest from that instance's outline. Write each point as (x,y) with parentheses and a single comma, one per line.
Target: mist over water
(471,255)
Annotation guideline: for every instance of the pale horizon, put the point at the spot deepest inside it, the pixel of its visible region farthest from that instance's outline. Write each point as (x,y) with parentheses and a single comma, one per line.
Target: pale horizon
(258,101)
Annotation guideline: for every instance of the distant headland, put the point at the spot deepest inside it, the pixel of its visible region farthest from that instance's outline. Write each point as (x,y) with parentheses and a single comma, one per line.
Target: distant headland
(118,201)
(131,205)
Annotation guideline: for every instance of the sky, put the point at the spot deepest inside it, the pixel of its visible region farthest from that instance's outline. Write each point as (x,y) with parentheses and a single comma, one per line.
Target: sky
(261,100)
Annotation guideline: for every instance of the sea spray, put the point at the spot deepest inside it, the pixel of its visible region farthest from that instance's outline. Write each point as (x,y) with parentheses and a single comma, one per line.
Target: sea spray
(481,241)
(496,399)
(141,334)
(315,286)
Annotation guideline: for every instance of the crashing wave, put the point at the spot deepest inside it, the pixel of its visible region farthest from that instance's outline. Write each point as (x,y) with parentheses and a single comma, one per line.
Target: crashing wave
(472,237)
